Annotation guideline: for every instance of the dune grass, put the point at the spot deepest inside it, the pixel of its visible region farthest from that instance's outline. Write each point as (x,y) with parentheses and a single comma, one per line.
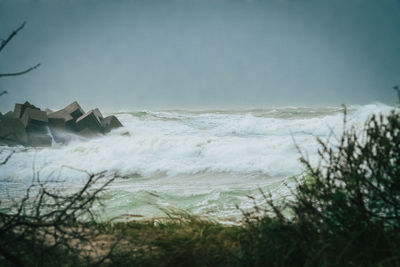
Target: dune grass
(181,242)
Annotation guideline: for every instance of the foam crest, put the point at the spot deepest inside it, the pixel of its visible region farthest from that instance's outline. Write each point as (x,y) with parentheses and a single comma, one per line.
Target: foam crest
(178,142)
(204,162)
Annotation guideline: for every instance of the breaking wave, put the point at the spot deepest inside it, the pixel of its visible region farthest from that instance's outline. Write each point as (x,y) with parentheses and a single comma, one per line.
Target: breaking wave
(203,161)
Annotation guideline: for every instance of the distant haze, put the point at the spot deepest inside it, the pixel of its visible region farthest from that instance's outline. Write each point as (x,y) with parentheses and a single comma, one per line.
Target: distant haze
(161,54)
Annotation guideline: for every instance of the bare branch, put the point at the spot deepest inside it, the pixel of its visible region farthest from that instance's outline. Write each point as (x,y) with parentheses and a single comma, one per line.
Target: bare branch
(12,35)
(20,73)
(7,158)
(47,219)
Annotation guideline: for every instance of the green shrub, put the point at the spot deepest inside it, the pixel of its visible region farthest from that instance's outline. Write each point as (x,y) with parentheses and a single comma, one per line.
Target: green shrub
(346,210)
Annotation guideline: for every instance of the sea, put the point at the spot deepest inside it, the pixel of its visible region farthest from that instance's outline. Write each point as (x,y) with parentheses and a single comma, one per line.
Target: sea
(215,163)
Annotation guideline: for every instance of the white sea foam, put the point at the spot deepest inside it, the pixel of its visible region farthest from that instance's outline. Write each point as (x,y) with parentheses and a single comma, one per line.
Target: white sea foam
(197,160)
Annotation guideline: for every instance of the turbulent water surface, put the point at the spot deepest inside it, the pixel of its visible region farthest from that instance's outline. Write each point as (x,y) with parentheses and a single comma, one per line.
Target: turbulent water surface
(203,162)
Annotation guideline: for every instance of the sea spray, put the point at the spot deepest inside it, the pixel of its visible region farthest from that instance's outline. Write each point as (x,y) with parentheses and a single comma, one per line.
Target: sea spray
(205,162)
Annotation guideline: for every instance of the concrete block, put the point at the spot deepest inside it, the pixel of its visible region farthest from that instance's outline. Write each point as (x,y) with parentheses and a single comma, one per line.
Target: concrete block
(61,120)
(34,116)
(36,125)
(61,114)
(19,109)
(61,136)
(57,123)
(74,110)
(70,114)
(59,129)
(89,133)
(90,123)
(98,114)
(9,115)
(12,132)
(110,122)
(39,140)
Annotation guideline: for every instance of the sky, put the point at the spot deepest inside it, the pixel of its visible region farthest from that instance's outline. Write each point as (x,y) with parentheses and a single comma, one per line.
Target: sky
(167,54)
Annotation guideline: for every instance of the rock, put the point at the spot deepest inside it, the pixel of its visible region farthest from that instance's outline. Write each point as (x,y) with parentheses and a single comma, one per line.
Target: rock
(74,110)
(89,124)
(19,109)
(1,116)
(12,132)
(110,122)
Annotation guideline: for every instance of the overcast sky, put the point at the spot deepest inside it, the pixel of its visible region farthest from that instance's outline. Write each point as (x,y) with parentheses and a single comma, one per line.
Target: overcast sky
(157,54)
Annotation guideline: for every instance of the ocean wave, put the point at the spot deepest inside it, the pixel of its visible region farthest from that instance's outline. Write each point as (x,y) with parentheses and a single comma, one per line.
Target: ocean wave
(204,162)
(191,143)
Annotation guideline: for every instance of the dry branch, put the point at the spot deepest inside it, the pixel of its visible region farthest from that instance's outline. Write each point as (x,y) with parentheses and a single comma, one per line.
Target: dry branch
(7,158)
(49,220)
(19,73)
(4,43)
(12,35)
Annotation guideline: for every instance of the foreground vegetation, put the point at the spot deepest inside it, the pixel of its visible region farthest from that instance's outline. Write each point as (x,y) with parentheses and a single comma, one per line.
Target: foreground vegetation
(345,211)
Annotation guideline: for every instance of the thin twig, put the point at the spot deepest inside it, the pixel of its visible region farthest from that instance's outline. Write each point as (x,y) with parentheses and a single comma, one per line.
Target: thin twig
(7,158)
(19,73)
(5,42)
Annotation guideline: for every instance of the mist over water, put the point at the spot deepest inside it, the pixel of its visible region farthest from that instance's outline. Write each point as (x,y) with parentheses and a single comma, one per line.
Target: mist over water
(157,54)
(201,161)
